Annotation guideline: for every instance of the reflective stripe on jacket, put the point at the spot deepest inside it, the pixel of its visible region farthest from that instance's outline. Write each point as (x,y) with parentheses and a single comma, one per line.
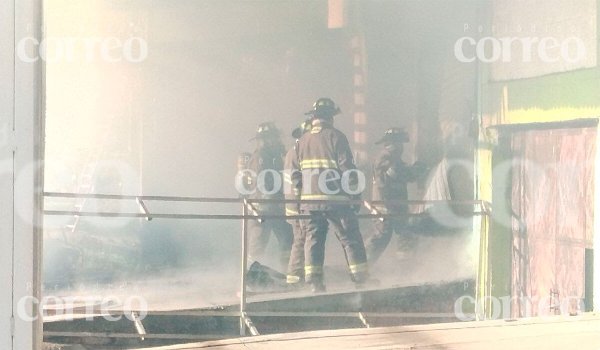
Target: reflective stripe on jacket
(324,151)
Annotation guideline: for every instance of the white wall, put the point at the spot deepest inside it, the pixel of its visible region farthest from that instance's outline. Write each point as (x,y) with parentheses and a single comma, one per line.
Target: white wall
(20,175)
(566,21)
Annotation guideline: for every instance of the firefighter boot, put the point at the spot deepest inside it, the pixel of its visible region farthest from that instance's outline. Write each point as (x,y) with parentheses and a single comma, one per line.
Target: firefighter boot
(317,287)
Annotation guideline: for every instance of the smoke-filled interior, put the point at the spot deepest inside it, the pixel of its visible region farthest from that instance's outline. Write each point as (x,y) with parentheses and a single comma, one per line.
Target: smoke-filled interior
(172,121)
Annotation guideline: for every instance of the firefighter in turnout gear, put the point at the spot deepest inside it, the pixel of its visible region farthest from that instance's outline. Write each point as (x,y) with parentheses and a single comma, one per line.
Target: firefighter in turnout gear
(323,162)
(266,163)
(391,176)
(295,272)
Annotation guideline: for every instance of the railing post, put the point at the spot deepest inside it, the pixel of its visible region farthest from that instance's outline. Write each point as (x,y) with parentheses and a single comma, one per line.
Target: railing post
(482,286)
(244,268)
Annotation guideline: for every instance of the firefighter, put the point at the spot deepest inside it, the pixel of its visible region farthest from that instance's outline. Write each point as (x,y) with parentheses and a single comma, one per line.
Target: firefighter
(322,160)
(391,176)
(266,163)
(295,274)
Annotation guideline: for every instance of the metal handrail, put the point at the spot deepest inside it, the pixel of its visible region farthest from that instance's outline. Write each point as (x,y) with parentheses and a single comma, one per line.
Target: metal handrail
(248,213)
(146,198)
(361,315)
(256,200)
(218,216)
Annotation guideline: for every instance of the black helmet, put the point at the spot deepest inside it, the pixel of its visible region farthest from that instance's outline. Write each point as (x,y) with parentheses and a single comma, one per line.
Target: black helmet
(394,135)
(266,130)
(324,107)
(302,129)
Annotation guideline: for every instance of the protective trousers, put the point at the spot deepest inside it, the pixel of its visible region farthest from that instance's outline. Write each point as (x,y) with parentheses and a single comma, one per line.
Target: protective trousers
(258,238)
(295,270)
(380,239)
(348,233)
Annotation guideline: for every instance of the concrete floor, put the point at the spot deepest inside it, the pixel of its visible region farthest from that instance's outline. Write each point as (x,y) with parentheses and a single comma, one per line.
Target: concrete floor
(575,332)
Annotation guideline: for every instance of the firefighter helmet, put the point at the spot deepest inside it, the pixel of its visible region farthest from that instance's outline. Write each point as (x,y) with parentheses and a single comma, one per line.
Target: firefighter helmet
(302,129)
(324,107)
(266,130)
(394,135)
